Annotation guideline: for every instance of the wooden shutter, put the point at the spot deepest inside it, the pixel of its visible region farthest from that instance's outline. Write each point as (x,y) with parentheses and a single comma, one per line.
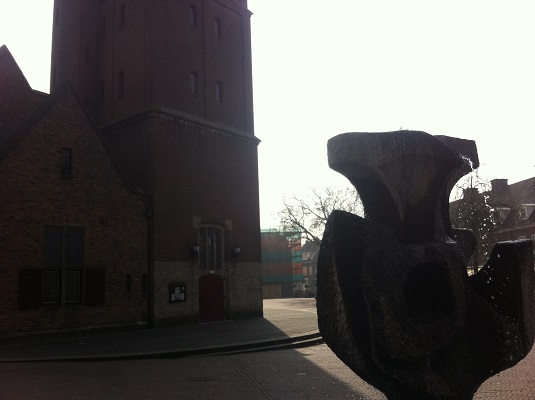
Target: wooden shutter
(30,288)
(95,287)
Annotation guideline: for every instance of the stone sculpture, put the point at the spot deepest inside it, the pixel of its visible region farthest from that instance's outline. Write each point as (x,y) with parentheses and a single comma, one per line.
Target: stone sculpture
(395,302)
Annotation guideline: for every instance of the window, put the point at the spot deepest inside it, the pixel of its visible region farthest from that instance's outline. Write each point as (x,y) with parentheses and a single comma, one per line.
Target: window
(210,244)
(102,28)
(128,283)
(219,92)
(120,84)
(526,210)
(51,287)
(192,16)
(122,11)
(194,82)
(217,28)
(60,281)
(64,261)
(66,161)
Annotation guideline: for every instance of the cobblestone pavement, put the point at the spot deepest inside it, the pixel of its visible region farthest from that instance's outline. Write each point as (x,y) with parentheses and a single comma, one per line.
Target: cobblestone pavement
(307,373)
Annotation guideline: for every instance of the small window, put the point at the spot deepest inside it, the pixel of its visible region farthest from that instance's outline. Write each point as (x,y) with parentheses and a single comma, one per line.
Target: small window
(66,161)
(120,84)
(128,283)
(192,16)
(194,83)
(219,92)
(217,28)
(122,11)
(102,28)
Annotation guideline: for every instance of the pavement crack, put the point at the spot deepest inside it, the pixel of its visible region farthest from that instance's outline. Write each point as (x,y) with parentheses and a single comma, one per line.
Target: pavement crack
(255,386)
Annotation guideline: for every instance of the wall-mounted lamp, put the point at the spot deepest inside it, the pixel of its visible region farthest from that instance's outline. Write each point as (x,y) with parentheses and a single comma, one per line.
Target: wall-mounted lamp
(236,251)
(195,249)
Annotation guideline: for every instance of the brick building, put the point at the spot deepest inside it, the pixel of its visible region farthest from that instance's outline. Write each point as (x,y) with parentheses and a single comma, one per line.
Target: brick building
(502,212)
(168,85)
(73,238)
(282,268)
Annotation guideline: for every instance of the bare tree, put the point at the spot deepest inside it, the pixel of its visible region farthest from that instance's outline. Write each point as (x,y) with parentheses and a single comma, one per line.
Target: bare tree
(309,214)
(472,211)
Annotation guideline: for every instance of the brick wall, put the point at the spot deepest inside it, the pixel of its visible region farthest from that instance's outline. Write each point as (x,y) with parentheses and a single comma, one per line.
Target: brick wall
(242,286)
(96,197)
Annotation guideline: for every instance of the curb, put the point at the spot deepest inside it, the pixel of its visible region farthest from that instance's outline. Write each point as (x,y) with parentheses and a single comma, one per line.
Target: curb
(305,340)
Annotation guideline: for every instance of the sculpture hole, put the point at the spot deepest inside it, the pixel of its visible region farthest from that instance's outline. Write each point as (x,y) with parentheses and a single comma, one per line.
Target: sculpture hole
(428,294)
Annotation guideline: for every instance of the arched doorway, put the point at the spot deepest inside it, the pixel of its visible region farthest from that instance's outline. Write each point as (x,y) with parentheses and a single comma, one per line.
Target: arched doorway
(211,298)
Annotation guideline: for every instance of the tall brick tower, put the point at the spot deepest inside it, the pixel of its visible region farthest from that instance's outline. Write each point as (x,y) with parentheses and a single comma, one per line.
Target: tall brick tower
(169,84)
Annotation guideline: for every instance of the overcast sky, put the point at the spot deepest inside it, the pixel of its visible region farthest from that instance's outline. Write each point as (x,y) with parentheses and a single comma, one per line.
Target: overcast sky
(459,68)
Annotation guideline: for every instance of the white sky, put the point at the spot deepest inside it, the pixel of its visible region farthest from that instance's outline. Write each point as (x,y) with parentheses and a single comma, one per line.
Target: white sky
(463,68)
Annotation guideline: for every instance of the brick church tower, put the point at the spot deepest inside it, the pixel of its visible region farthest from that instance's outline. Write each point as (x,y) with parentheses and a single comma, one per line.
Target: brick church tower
(169,85)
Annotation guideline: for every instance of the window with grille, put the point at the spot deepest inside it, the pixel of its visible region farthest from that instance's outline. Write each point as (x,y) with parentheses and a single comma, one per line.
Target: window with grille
(210,247)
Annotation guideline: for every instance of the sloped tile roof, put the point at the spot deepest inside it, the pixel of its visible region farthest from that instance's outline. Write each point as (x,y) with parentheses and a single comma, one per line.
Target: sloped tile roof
(17,98)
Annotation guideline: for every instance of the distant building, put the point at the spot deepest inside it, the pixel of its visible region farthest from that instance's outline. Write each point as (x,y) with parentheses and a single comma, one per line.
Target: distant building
(282,270)
(507,211)
(166,87)
(513,207)
(310,253)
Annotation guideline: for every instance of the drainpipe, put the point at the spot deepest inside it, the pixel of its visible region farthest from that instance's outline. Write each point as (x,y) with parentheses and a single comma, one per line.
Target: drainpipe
(150,263)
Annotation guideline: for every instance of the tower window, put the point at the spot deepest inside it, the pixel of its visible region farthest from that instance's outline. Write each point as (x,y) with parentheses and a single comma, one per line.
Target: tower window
(122,11)
(66,161)
(120,84)
(102,28)
(217,28)
(219,92)
(194,82)
(192,15)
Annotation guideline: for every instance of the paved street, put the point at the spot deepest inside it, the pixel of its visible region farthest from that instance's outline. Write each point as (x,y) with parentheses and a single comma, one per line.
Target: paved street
(307,373)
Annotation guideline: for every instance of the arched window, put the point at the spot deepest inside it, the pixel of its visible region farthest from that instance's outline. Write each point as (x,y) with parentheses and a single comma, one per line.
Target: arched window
(211,247)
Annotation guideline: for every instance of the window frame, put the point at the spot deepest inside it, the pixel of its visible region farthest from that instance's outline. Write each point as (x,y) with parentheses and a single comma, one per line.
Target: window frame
(193,16)
(218,31)
(64,254)
(122,16)
(219,92)
(211,240)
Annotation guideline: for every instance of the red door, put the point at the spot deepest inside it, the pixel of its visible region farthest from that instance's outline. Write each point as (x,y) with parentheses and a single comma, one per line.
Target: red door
(211,298)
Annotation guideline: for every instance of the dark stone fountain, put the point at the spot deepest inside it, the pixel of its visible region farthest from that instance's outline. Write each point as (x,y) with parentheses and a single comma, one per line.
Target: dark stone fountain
(395,302)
